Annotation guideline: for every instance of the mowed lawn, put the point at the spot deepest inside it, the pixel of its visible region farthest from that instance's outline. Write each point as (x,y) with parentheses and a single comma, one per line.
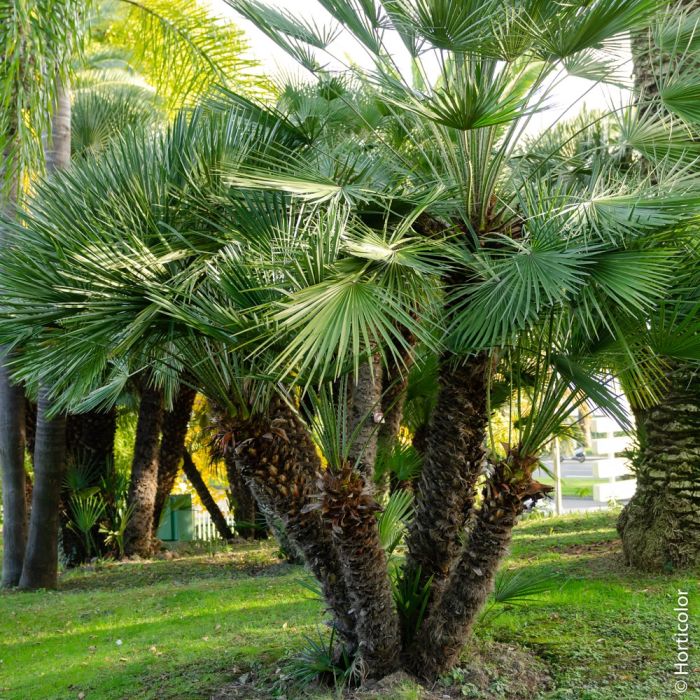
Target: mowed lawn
(183,628)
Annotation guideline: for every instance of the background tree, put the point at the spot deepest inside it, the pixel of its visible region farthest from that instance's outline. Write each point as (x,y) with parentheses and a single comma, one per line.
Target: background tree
(660,527)
(181,53)
(37,37)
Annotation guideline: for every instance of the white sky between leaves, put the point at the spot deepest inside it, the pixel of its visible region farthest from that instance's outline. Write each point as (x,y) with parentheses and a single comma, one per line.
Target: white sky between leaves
(567,99)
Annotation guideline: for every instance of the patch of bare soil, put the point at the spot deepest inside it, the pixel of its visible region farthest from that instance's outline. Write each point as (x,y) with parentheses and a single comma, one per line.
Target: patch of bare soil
(490,671)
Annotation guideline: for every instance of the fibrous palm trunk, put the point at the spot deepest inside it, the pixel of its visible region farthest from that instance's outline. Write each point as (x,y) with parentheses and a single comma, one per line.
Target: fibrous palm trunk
(276,455)
(457,603)
(172,448)
(452,463)
(144,473)
(660,526)
(40,568)
(349,508)
(14,527)
(195,478)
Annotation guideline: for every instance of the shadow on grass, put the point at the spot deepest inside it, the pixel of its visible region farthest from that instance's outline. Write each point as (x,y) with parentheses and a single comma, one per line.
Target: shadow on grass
(128,574)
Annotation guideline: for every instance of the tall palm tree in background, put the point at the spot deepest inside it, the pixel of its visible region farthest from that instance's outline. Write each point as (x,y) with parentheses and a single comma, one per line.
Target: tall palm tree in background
(274,256)
(38,39)
(182,51)
(660,527)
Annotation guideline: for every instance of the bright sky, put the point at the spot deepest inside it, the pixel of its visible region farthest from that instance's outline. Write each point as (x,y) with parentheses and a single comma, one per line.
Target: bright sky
(571,95)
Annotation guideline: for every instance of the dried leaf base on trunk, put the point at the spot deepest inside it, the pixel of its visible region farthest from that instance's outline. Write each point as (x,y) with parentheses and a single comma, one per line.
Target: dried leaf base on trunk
(457,603)
(660,526)
(276,455)
(350,510)
(452,463)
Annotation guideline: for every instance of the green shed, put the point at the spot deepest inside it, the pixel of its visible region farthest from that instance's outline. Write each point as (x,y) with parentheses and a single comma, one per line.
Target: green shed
(177,522)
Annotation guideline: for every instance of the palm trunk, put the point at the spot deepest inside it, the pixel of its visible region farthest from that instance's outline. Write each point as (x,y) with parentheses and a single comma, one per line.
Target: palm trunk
(40,568)
(243,500)
(452,463)
(89,441)
(349,508)
(41,560)
(457,604)
(195,478)
(144,474)
(172,448)
(660,526)
(276,455)
(12,446)
(365,414)
(14,504)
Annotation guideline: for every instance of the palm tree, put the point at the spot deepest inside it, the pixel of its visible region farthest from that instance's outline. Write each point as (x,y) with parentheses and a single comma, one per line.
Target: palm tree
(33,74)
(184,51)
(272,254)
(40,568)
(660,527)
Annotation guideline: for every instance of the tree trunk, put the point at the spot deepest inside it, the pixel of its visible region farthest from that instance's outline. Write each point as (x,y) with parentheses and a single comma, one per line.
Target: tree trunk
(41,560)
(40,568)
(89,442)
(452,463)
(14,504)
(243,501)
(172,448)
(195,478)
(349,508)
(365,414)
(276,454)
(144,473)
(457,604)
(12,446)
(660,526)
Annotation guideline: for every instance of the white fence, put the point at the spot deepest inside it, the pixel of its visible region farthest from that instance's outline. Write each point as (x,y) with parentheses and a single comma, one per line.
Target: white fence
(204,528)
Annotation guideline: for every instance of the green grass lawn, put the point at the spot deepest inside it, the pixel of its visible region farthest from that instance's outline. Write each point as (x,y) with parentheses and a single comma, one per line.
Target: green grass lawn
(193,624)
